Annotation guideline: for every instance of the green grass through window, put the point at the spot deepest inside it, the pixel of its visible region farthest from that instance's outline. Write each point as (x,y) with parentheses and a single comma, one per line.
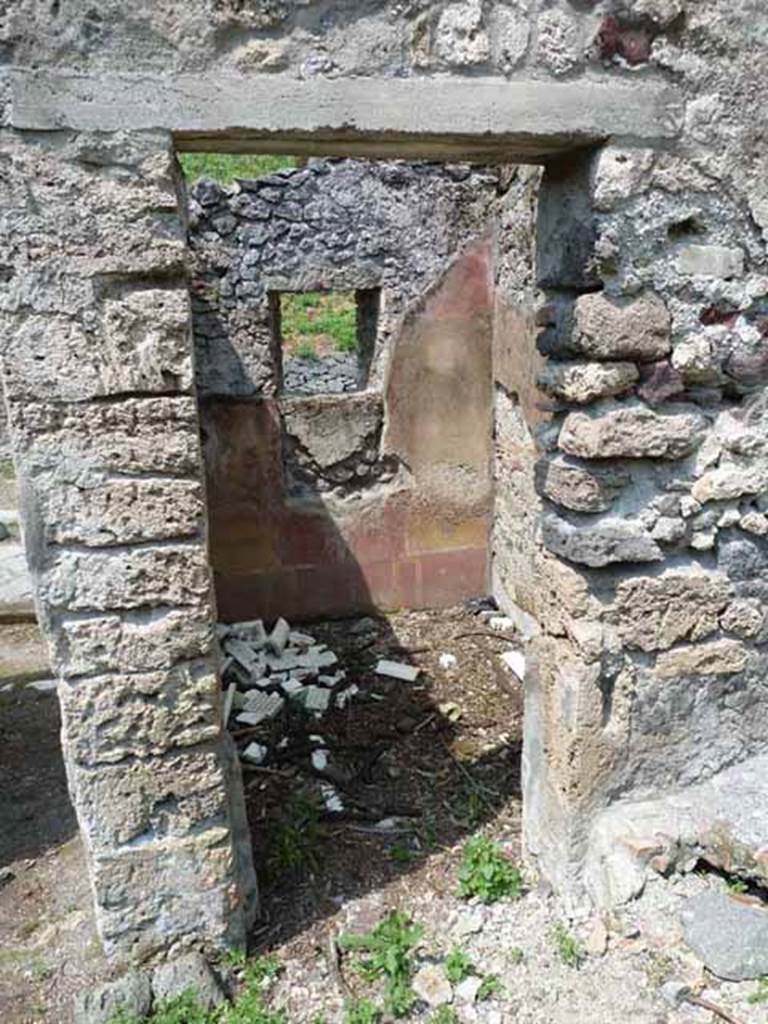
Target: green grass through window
(225,167)
(316,323)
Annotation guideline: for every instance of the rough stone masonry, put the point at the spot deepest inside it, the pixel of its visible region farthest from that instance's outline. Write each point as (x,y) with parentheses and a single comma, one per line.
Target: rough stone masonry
(630,524)
(380,499)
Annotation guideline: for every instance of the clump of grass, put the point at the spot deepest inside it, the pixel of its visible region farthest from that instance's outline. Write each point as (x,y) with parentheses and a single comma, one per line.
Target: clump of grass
(457,966)
(294,839)
(760,995)
(491,986)
(308,316)
(487,873)
(250,1007)
(389,946)
(225,167)
(568,948)
(444,1015)
(361,1011)
(305,349)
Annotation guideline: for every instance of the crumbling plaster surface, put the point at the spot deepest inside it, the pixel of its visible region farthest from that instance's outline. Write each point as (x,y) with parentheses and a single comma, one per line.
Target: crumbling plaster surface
(651,253)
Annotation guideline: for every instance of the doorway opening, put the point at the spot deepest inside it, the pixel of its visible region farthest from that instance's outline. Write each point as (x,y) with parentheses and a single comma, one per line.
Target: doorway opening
(350,505)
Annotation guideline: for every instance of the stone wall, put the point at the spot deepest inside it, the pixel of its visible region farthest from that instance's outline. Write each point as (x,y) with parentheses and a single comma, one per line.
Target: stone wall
(316,507)
(97,369)
(646,685)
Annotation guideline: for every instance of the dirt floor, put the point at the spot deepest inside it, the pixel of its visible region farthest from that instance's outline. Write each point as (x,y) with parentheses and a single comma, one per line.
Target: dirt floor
(419,767)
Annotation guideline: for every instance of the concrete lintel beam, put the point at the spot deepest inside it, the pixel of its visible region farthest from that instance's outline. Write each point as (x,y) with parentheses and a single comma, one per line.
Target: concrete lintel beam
(440,116)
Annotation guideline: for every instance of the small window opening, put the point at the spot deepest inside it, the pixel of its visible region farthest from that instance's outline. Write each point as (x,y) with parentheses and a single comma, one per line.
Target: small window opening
(326,339)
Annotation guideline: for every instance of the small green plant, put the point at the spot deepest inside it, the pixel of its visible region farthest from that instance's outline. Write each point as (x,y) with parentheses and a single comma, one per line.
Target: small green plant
(444,1015)
(760,995)
(294,839)
(457,966)
(737,886)
(262,969)
(515,955)
(400,853)
(486,872)
(491,986)
(567,946)
(361,1011)
(390,945)
(306,350)
(183,1009)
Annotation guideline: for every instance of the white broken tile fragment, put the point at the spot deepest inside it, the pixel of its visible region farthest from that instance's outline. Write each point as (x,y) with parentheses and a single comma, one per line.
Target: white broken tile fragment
(331,798)
(291,687)
(515,661)
(243,654)
(254,753)
(228,701)
(43,685)
(346,695)
(317,699)
(500,622)
(253,631)
(337,677)
(448,661)
(278,638)
(259,707)
(319,657)
(320,760)
(398,670)
(300,639)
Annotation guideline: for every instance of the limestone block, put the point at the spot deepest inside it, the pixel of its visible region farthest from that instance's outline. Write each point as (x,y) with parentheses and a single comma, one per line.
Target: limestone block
(115,717)
(610,540)
(127,578)
(184,888)
(654,612)
(744,617)
(631,430)
(144,344)
(583,382)
(558,46)
(189,972)
(145,640)
(742,559)
(714,657)
(697,361)
(132,435)
(98,511)
(611,329)
(710,261)
(729,937)
(510,34)
(579,486)
(461,39)
(139,801)
(728,482)
(619,173)
(669,529)
(754,522)
(129,995)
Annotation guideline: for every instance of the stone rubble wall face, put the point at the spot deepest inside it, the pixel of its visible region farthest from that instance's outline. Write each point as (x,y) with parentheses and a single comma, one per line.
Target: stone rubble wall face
(650,667)
(97,371)
(652,497)
(338,225)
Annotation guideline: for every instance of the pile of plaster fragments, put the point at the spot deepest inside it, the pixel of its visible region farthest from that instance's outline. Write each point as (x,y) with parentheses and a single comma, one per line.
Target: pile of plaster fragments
(264,674)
